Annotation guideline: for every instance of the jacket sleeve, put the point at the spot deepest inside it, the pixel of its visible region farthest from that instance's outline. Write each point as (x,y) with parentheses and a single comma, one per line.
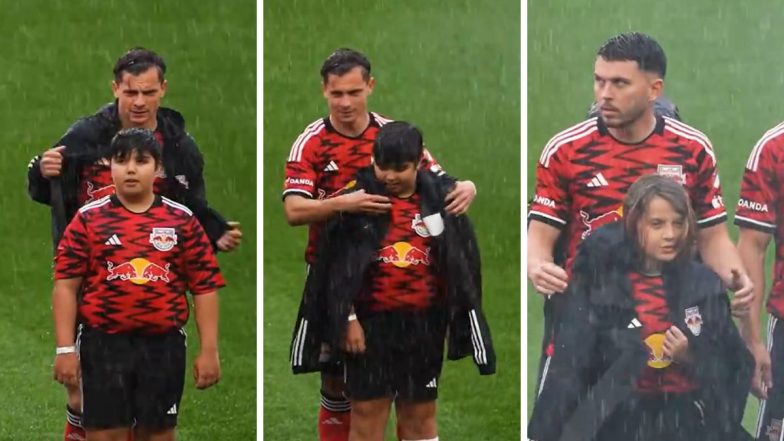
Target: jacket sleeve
(37,185)
(723,364)
(195,196)
(563,386)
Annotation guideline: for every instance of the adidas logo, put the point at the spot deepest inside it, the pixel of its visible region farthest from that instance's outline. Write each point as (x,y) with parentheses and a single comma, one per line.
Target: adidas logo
(432,384)
(114,240)
(172,410)
(331,166)
(598,181)
(634,324)
(332,421)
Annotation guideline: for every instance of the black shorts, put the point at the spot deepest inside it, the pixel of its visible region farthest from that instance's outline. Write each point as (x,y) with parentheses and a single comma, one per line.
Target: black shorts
(131,378)
(771,411)
(403,357)
(673,417)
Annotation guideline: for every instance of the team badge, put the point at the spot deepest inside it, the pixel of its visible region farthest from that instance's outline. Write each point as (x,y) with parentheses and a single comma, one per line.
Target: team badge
(672,171)
(694,320)
(419,227)
(774,429)
(163,239)
(403,254)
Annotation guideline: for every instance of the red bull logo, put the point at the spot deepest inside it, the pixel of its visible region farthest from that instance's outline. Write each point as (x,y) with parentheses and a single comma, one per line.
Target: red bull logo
(163,239)
(403,254)
(139,271)
(598,221)
(656,358)
(93,194)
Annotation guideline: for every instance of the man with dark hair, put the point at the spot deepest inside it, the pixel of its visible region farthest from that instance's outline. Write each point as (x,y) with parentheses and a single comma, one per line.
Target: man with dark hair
(323,159)
(76,171)
(124,266)
(585,170)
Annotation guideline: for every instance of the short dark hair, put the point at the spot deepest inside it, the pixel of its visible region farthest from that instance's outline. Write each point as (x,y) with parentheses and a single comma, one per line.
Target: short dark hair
(343,60)
(397,144)
(639,196)
(638,47)
(128,141)
(136,61)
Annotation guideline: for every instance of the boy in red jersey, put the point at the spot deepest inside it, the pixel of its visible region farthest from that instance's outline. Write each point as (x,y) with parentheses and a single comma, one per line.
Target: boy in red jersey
(123,268)
(323,159)
(389,288)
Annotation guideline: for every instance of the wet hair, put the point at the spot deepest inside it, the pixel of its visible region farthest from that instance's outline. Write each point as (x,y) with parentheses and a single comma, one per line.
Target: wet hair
(343,60)
(639,197)
(129,141)
(136,61)
(638,47)
(397,144)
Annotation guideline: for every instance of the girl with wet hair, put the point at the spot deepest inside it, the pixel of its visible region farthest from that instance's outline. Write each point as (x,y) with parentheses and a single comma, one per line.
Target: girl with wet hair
(646,349)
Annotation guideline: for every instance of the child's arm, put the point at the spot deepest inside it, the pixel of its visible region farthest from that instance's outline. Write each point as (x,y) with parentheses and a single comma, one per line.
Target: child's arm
(64,308)
(206,367)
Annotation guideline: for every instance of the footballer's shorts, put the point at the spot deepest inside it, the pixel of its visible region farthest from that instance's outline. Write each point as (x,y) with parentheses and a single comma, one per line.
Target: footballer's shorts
(403,357)
(771,411)
(671,417)
(131,378)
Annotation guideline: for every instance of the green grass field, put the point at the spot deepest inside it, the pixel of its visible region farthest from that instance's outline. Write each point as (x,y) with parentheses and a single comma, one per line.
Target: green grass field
(57,62)
(721,72)
(451,67)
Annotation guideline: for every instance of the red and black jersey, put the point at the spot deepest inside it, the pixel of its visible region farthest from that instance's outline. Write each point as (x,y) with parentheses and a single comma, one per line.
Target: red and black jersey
(761,204)
(403,276)
(136,267)
(323,161)
(583,174)
(96,180)
(661,374)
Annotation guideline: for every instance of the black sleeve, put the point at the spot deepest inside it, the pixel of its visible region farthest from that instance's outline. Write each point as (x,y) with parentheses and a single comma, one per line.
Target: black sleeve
(723,364)
(563,385)
(195,194)
(76,139)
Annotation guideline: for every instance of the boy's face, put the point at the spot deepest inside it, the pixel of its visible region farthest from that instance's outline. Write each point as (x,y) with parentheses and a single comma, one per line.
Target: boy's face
(134,176)
(399,181)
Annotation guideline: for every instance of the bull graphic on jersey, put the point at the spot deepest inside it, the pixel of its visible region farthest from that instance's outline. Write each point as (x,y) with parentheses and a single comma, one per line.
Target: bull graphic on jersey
(139,271)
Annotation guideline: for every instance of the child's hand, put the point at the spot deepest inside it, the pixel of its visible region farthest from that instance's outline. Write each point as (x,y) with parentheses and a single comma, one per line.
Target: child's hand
(355,338)
(676,345)
(206,369)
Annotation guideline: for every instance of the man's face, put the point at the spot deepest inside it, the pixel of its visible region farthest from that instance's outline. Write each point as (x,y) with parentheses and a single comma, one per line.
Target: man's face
(133,176)
(138,98)
(347,95)
(623,92)
(397,180)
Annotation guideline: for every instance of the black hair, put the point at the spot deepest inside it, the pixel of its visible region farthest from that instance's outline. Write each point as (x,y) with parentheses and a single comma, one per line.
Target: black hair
(397,144)
(343,60)
(140,141)
(136,61)
(638,47)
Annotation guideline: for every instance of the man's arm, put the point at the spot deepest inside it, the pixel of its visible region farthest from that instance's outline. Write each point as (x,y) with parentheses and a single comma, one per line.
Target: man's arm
(720,254)
(300,210)
(752,245)
(547,277)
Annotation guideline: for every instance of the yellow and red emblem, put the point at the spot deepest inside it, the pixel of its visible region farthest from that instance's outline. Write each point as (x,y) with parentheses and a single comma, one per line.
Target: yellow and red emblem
(403,254)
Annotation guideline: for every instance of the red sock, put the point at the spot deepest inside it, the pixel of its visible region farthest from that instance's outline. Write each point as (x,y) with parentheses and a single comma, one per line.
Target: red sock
(73,433)
(334,419)
(73,426)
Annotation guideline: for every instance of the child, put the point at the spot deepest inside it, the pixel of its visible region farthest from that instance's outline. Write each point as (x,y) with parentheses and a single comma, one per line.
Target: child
(123,267)
(387,288)
(647,349)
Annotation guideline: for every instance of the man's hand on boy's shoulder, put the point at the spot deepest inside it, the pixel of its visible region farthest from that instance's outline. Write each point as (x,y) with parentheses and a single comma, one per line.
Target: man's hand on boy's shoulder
(460,199)
(361,201)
